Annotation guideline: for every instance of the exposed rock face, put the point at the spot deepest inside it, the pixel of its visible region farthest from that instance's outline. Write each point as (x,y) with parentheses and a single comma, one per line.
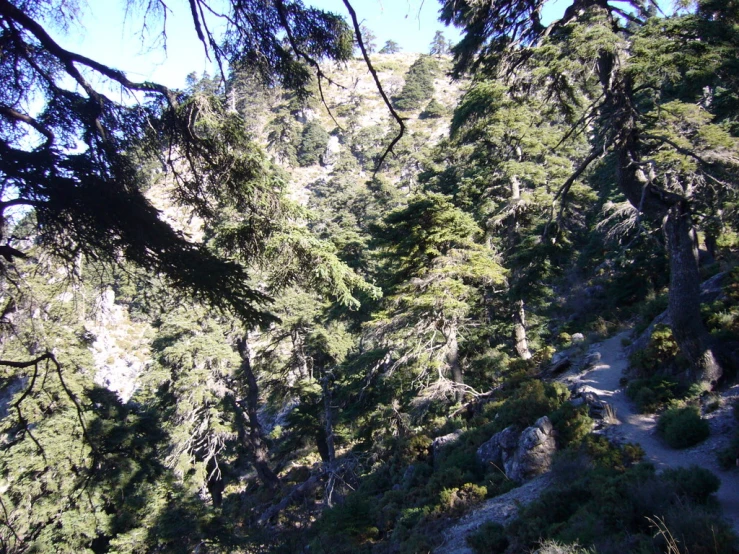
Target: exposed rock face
(521,455)
(120,349)
(332,152)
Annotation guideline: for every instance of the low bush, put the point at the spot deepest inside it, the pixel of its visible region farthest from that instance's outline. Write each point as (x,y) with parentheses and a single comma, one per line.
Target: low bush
(532,400)
(727,457)
(694,483)
(651,393)
(490,538)
(698,530)
(660,353)
(682,427)
(572,424)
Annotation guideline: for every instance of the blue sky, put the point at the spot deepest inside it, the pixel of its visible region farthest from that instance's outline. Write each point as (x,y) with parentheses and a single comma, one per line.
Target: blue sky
(103,35)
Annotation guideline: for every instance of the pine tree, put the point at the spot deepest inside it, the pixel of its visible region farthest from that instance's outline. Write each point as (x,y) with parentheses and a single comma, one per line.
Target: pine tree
(622,107)
(439,46)
(419,84)
(390,47)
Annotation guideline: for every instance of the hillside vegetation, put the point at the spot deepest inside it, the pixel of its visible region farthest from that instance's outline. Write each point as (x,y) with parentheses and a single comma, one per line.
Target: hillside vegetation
(225,326)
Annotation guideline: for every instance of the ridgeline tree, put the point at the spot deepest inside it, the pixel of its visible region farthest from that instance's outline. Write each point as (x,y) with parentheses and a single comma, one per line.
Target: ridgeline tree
(439,46)
(390,47)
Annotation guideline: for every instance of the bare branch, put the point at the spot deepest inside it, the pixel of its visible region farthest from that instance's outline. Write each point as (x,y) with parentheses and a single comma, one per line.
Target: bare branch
(28,120)
(371,68)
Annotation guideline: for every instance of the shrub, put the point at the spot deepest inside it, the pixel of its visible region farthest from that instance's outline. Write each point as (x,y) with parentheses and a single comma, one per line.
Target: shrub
(313,144)
(700,531)
(728,456)
(661,351)
(651,393)
(682,427)
(694,482)
(433,110)
(531,400)
(458,500)
(490,538)
(572,424)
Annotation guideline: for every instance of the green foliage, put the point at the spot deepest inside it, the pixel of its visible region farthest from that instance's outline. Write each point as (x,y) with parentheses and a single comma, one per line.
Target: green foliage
(390,47)
(728,456)
(313,142)
(661,351)
(682,427)
(419,84)
(695,483)
(433,110)
(652,393)
(490,538)
(572,424)
(529,402)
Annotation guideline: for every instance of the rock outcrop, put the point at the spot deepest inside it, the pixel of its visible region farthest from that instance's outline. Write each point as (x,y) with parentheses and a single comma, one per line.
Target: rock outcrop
(521,455)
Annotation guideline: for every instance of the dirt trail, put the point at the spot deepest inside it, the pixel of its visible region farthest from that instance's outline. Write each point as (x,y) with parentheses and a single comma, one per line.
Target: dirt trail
(604,379)
(633,427)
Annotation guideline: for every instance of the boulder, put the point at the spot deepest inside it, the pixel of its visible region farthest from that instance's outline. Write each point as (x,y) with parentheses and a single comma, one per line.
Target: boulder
(592,359)
(499,448)
(577,338)
(521,455)
(440,442)
(597,408)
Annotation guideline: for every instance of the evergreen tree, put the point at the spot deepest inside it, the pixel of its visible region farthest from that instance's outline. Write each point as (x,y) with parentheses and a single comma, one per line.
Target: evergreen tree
(433,110)
(390,47)
(436,275)
(627,94)
(439,46)
(419,84)
(312,144)
(89,199)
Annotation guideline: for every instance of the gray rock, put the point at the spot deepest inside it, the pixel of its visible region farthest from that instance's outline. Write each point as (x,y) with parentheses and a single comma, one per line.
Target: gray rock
(441,442)
(521,455)
(333,150)
(592,359)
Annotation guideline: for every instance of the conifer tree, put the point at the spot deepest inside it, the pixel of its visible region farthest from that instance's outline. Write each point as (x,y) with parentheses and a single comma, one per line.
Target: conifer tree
(436,275)
(419,84)
(439,45)
(390,47)
(627,93)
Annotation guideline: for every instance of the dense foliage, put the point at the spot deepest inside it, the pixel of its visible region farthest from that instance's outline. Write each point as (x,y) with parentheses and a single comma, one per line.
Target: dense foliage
(224,328)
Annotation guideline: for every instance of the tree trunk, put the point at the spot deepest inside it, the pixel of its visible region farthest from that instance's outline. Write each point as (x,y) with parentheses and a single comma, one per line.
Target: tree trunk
(519,331)
(684,297)
(215,483)
(254,439)
(328,419)
(452,359)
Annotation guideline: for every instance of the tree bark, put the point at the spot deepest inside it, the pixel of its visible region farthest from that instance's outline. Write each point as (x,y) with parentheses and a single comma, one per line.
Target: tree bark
(684,299)
(328,420)
(519,331)
(452,359)
(254,439)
